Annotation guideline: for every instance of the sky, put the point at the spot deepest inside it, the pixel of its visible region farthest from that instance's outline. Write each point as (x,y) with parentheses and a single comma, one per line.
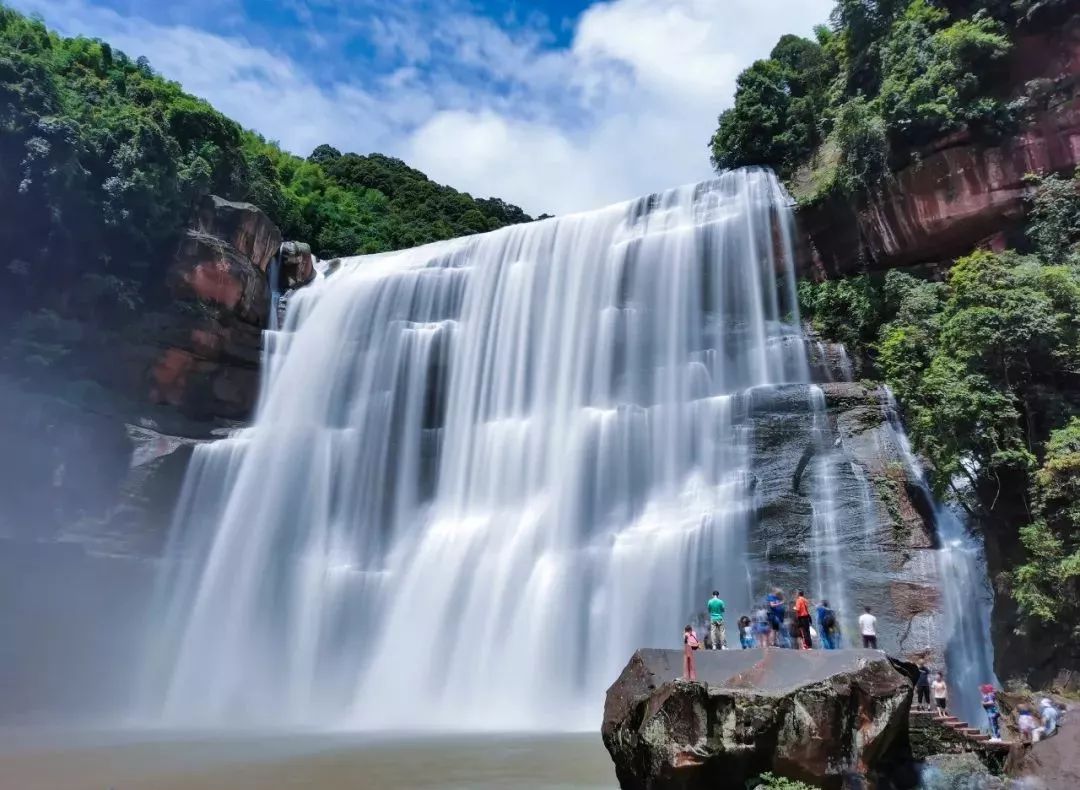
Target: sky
(555,105)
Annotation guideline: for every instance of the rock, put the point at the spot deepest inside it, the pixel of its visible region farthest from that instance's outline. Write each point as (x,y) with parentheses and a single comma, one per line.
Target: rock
(960,194)
(958,772)
(889,557)
(212,333)
(297,266)
(242,226)
(824,717)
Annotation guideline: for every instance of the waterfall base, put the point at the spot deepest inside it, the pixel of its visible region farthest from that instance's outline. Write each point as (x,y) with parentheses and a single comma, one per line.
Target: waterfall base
(822,716)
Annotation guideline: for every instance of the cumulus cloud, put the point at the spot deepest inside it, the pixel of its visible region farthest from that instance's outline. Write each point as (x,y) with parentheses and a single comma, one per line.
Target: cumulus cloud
(489,106)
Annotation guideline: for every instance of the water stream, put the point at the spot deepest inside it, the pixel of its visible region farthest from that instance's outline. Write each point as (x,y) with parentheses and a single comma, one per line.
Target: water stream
(968,598)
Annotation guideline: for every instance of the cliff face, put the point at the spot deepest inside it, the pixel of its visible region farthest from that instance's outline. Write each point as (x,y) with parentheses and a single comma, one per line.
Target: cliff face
(960,193)
(108,470)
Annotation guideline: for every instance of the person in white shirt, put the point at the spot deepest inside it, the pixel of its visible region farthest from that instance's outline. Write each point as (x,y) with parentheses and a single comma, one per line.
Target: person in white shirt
(868,629)
(1049,715)
(941,694)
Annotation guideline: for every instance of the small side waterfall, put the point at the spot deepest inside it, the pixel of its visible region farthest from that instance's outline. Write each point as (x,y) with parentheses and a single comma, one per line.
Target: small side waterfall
(968,598)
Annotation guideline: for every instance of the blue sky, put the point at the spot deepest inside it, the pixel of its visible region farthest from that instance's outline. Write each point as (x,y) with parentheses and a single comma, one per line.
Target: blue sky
(557,105)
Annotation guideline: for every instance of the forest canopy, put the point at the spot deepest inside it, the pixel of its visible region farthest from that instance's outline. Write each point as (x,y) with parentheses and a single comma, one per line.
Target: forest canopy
(884,78)
(102,160)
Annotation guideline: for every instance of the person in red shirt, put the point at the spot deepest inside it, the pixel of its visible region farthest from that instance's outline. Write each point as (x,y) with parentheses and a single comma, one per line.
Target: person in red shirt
(802,619)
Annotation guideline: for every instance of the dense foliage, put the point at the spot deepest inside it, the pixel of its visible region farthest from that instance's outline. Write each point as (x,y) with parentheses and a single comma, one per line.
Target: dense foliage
(102,160)
(885,78)
(987,366)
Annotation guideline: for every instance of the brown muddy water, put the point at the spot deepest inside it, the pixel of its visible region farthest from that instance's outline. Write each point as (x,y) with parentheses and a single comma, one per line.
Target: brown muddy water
(42,760)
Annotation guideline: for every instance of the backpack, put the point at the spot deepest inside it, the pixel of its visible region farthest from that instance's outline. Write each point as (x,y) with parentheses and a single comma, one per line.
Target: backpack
(828,622)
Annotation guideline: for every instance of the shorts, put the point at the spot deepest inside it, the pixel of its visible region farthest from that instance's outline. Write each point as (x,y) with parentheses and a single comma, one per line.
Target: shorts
(940,702)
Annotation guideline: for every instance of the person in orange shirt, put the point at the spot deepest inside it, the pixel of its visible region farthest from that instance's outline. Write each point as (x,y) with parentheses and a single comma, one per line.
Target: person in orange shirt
(802,619)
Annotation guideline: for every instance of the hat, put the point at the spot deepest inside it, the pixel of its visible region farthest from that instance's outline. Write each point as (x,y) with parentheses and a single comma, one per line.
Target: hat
(986,688)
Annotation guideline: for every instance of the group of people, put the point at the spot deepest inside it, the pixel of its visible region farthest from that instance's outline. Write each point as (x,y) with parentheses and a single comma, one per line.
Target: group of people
(776,624)
(773,625)
(1031,728)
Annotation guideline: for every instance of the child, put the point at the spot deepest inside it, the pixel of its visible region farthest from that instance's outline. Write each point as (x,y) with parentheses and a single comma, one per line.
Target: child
(989,703)
(690,644)
(941,694)
(745,638)
(761,628)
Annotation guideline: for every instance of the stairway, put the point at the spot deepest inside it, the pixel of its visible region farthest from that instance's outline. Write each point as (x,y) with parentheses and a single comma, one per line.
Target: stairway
(972,734)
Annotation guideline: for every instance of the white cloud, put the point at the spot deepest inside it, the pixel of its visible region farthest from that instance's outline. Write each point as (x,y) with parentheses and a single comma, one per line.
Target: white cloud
(626,109)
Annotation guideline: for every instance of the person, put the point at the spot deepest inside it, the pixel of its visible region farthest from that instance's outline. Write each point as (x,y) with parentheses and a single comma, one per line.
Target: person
(922,688)
(868,629)
(1049,714)
(1026,723)
(717,633)
(993,715)
(802,619)
(774,607)
(746,638)
(941,695)
(761,628)
(690,644)
(826,620)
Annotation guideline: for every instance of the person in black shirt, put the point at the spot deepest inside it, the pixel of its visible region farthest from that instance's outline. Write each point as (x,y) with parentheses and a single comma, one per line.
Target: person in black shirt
(922,688)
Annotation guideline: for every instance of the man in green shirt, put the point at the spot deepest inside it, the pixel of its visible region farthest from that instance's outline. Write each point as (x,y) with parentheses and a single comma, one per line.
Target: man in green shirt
(717,634)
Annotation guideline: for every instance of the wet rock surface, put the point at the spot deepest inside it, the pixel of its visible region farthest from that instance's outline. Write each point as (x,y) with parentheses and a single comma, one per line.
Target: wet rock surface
(885,531)
(829,718)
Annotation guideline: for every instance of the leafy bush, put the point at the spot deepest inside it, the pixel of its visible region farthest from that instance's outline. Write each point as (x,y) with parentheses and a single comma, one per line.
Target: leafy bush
(769,781)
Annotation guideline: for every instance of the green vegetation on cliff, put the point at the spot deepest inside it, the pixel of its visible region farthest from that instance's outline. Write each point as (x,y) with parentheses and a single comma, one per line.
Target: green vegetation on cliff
(884,79)
(986,364)
(102,160)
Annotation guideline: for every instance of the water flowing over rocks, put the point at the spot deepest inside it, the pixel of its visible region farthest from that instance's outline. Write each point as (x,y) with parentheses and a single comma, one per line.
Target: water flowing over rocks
(830,718)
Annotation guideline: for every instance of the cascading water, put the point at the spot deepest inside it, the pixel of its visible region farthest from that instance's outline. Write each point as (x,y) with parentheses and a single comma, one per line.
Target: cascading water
(968,598)
(484,471)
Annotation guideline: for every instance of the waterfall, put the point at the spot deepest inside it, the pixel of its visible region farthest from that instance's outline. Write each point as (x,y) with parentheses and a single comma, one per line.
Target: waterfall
(967,596)
(484,471)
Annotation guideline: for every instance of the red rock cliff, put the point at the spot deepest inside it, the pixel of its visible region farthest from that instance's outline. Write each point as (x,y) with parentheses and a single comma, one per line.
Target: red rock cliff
(960,194)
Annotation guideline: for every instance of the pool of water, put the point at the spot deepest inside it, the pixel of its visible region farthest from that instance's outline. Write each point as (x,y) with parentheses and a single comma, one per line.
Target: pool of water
(141,760)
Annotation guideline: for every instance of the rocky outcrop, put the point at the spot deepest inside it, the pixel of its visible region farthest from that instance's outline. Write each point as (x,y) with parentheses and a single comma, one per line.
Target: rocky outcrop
(961,192)
(830,718)
(877,514)
(212,334)
(297,265)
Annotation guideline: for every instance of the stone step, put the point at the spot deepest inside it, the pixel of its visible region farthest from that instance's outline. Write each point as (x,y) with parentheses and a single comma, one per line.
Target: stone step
(972,732)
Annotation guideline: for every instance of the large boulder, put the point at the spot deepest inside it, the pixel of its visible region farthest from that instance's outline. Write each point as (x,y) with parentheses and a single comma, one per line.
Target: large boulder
(830,718)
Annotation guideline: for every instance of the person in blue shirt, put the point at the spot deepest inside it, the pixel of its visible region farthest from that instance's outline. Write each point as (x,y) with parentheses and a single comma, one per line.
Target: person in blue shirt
(826,620)
(717,633)
(774,608)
